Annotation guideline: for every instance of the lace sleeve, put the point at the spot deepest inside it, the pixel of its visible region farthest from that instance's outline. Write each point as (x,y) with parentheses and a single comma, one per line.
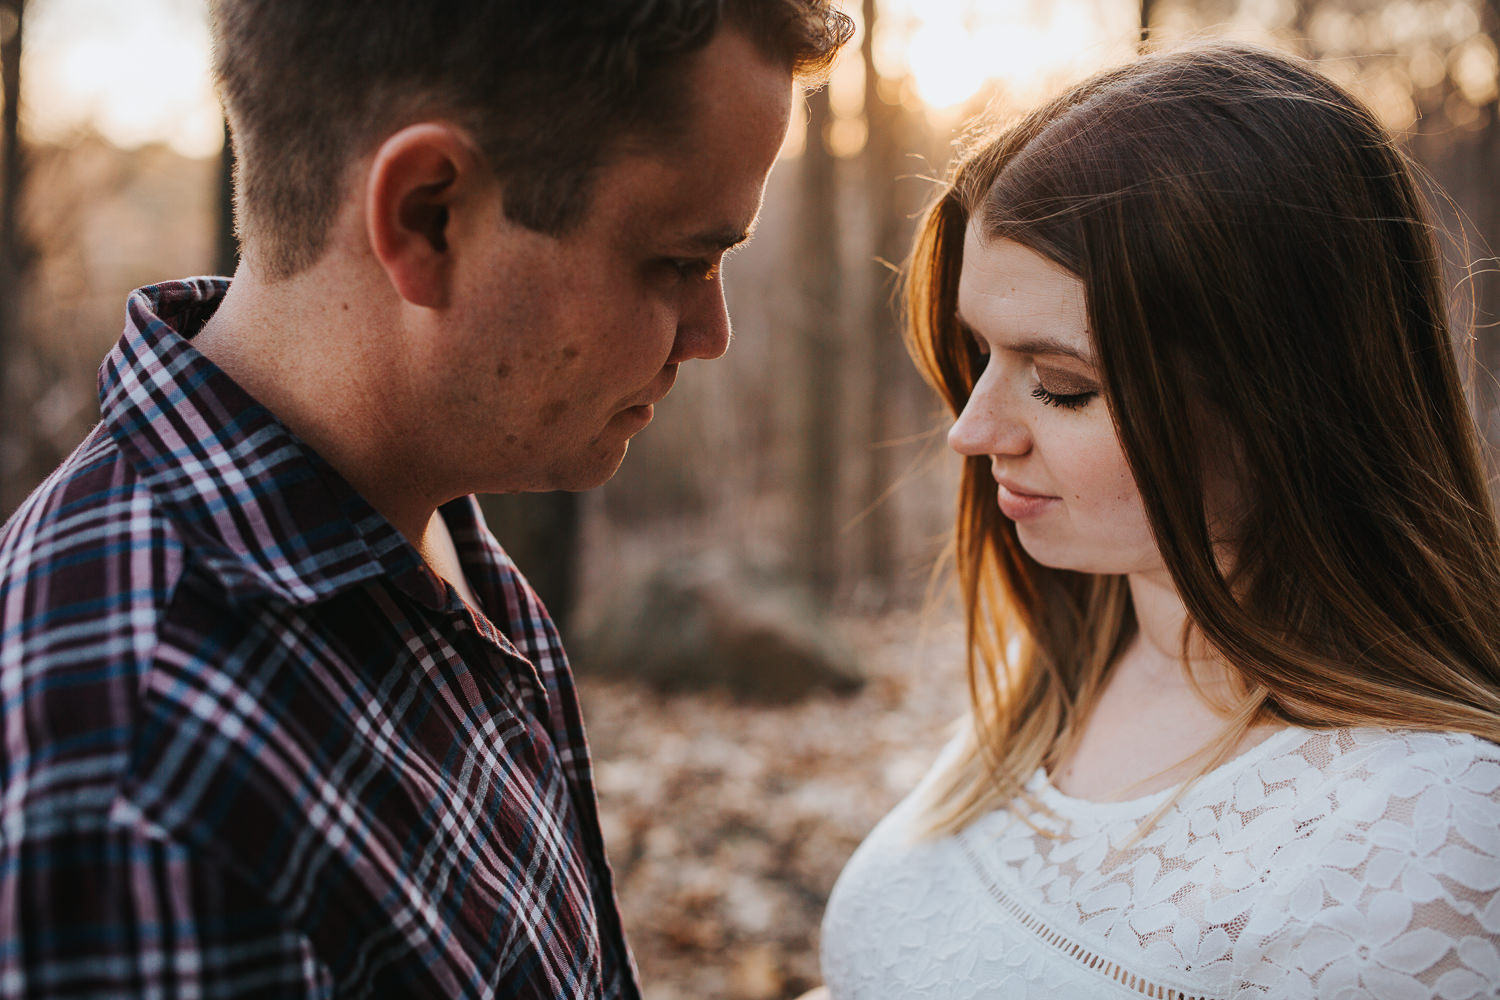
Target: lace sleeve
(1396,896)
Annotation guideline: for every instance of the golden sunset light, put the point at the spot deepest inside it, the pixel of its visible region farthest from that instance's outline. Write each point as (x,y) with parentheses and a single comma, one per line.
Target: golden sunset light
(952,48)
(1082,434)
(137,71)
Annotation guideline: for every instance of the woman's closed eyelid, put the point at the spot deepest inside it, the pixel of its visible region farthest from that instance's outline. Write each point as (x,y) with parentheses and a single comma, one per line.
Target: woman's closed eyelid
(1065,383)
(1062,387)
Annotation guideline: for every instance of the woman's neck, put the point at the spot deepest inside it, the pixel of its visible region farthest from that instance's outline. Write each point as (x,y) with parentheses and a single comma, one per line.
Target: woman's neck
(1150,724)
(1161,618)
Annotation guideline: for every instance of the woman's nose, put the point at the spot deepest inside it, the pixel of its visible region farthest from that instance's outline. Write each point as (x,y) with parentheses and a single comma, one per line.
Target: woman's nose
(986,426)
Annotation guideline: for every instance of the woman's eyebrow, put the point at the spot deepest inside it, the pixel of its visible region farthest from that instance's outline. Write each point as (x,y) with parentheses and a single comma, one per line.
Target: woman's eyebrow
(1049,345)
(1036,344)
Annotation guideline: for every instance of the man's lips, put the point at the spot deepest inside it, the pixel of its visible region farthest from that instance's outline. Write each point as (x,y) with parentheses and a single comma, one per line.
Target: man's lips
(642,406)
(658,390)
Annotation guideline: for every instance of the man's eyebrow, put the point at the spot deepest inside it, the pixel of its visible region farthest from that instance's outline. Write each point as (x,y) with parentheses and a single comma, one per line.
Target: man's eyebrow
(719,239)
(1035,344)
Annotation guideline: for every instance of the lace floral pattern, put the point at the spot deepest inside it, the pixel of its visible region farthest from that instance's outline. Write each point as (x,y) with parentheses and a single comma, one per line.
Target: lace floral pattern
(1342,864)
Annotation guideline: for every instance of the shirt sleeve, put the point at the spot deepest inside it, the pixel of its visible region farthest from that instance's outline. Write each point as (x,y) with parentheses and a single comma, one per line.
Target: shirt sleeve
(99,908)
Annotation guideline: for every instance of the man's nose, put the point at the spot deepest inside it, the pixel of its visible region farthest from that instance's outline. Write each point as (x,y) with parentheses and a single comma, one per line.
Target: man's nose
(703,325)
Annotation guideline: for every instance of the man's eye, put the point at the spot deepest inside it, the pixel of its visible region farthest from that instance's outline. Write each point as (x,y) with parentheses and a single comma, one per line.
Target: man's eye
(694,268)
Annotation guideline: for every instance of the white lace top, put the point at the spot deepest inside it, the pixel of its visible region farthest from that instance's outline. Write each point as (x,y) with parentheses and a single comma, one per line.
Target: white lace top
(1335,865)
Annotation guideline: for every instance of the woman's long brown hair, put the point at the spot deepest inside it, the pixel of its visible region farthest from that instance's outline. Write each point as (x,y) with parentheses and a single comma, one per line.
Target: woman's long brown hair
(1266,302)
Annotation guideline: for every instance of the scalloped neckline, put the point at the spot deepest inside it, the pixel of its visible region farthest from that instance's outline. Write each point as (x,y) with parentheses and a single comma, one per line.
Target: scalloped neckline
(1063,804)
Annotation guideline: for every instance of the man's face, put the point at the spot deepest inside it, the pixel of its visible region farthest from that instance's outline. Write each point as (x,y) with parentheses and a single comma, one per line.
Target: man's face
(557,348)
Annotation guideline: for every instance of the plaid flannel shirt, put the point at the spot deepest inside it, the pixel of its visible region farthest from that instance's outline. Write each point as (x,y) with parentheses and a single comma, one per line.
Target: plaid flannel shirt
(252,746)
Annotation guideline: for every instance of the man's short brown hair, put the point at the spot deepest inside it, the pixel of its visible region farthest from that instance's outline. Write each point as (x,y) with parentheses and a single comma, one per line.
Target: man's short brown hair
(547,87)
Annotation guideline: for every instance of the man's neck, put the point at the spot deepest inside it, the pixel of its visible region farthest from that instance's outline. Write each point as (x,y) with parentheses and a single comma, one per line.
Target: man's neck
(309,350)
(441,554)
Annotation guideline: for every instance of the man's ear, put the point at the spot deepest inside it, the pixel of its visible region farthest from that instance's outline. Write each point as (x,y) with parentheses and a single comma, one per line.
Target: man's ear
(415,179)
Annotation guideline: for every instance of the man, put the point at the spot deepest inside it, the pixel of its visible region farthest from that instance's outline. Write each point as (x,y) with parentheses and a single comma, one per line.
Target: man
(279,717)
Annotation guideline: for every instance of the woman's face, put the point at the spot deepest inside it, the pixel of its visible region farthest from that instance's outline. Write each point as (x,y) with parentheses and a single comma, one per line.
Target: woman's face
(1037,414)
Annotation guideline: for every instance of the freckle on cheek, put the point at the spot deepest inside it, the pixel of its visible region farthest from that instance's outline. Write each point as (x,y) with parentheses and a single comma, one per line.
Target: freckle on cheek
(553,410)
(570,352)
(503,371)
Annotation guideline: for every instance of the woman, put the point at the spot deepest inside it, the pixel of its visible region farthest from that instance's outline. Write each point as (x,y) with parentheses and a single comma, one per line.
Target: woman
(1229,561)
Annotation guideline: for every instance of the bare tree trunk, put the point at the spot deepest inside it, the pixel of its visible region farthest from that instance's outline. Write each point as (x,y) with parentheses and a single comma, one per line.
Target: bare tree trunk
(1148,10)
(1486,214)
(12,21)
(1301,14)
(882,165)
(12,253)
(541,532)
(822,314)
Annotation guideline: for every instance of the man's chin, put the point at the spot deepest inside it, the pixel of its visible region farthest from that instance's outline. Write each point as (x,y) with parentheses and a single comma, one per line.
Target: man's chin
(614,467)
(594,473)
(574,473)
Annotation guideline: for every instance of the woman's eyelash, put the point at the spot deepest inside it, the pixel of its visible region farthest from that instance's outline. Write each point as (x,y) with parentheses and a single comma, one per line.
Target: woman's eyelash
(1068,400)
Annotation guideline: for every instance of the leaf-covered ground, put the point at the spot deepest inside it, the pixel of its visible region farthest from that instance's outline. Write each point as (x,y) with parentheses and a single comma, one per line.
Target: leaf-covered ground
(728,823)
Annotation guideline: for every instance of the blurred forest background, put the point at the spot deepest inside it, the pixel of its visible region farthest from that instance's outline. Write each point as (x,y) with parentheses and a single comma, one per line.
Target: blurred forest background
(807,467)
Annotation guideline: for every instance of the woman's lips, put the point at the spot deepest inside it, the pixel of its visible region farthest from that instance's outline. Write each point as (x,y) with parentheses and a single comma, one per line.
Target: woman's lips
(1019,505)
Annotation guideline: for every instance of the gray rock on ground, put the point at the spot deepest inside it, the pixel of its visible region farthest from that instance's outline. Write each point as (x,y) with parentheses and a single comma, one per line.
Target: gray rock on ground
(701,623)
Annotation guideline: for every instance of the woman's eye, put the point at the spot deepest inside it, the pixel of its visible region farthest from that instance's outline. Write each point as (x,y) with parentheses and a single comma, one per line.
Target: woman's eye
(1068,400)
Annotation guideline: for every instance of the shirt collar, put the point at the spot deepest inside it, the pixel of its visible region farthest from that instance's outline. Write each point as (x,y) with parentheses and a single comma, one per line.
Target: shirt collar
(255,504)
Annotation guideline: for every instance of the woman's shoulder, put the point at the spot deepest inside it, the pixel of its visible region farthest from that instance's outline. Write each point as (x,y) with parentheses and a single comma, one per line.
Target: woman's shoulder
(1416,791)
(1356,770)
(1403,750)
(1397,746)
(1392,882)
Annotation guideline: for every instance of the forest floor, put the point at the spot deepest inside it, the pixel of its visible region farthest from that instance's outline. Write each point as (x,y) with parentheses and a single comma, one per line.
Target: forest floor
(727,823)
